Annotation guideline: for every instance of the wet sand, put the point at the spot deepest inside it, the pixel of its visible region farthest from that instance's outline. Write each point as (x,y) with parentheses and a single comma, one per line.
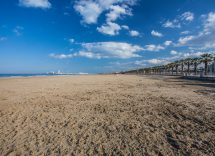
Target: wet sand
(106,115)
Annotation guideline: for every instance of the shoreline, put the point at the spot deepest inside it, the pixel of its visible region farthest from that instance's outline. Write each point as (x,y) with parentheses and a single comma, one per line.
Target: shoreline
(43,76)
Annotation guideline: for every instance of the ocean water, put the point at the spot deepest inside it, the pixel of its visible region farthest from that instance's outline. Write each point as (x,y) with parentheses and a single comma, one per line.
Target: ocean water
(23,75)
(44,74)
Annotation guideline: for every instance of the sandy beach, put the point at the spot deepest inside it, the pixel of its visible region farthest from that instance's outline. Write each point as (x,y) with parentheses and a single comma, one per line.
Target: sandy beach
(106,115)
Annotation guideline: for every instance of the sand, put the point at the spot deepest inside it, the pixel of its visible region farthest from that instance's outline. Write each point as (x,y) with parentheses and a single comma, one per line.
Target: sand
(106,115)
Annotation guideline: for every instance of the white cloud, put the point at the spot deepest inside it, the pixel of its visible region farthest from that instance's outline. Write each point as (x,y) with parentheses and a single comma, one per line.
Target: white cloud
(117,11)
(172,24)
(187,16)
(90,10)
(176,23)
(152,47)
(157,61)
(194,54)
(125,27)
(113,49)
(185,40)
(44,4)
(157,34)
(161,61)
(61,56)
(180,55)
(209,23)
(91,55)
(105,4)
(185,32)
(119,66)
(168,43)
(206,37)
(173,52)
(110,29)
(134,33)
(154,61)
(98,50)
(139,62)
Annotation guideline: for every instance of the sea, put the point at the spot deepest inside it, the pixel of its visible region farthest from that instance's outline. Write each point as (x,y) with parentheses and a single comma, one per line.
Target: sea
(23,75)
(32,75)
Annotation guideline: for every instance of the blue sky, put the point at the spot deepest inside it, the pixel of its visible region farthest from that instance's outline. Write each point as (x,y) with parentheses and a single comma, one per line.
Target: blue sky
(93,36)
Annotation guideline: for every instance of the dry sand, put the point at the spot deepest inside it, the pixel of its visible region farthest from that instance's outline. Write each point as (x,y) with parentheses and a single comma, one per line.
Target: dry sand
(106,115)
